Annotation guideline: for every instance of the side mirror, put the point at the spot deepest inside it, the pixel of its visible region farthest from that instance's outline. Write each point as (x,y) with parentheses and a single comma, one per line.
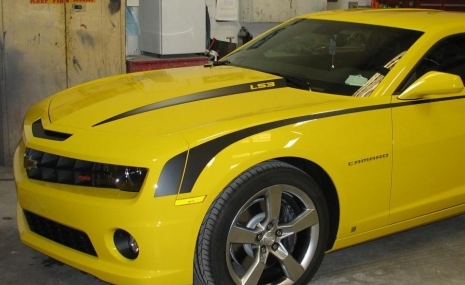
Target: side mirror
(433,83)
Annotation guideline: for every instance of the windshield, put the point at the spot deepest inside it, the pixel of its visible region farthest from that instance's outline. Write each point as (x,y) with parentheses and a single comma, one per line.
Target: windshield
(327,56)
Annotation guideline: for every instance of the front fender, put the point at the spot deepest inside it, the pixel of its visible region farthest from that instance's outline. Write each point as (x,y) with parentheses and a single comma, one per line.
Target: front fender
(354,150)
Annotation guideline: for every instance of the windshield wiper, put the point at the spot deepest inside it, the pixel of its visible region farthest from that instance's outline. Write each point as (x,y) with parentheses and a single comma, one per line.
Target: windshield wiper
(217,63)
(297,82)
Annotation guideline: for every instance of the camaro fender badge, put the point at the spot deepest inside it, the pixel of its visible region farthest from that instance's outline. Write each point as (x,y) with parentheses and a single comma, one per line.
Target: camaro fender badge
(29,163)
(368,159)
(262,85)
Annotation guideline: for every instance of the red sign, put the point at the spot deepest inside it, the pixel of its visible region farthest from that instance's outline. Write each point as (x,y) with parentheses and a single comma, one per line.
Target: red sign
(60,1)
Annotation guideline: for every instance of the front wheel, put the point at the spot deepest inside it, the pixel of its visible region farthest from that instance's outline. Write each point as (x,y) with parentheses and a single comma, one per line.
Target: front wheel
(269,226)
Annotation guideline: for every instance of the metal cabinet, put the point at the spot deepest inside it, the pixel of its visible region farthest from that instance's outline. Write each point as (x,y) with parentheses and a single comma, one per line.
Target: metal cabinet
(172,27)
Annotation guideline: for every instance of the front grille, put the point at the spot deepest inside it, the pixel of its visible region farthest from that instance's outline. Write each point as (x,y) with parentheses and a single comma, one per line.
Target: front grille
(65,170)
(59,233)
(60,169)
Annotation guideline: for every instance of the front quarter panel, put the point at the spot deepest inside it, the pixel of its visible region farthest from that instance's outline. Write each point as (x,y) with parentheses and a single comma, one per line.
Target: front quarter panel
(339,141)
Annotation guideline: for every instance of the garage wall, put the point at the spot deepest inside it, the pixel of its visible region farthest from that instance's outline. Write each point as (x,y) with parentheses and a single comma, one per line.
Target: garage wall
(33,64)
(266,11)
(34,61)
(259,16)
(256,15)
(47,47)
(3,123)
(344,4)
(220,30)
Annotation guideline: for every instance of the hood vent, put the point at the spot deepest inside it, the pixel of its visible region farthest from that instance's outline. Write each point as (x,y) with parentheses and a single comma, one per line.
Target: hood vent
(39,132)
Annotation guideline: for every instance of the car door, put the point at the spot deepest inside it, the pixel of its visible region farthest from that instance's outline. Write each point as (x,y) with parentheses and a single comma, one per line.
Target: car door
(429,139)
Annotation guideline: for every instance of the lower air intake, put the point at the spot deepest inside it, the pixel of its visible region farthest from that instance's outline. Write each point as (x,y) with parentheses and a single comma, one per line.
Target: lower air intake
(59,233)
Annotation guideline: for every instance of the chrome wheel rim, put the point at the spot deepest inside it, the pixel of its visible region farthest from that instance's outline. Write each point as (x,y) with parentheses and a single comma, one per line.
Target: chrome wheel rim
(273,237)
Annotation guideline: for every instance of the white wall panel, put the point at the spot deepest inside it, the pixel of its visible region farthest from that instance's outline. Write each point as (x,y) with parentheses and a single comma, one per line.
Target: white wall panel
(221,30)
(263,11)
(3,112)
(344,4)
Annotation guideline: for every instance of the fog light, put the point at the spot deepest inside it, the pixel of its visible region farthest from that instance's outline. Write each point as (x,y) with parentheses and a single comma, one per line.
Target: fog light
(133,244)
(126,244)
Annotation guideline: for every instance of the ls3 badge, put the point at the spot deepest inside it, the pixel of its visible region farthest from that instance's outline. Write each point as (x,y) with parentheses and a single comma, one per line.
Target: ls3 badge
(262,85)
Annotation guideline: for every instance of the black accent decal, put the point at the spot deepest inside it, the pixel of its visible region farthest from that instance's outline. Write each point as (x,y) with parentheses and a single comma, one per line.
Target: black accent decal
(171,175)
(39,132)
(199,156)
(215,93)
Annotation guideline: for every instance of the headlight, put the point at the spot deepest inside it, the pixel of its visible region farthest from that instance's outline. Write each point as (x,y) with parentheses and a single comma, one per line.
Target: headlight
(131,179)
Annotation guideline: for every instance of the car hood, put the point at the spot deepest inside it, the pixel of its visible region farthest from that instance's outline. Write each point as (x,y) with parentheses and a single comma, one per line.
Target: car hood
(163,102)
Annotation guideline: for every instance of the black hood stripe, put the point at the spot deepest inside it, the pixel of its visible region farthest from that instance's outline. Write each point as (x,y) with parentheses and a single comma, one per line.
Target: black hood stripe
(215,93)
(199,156)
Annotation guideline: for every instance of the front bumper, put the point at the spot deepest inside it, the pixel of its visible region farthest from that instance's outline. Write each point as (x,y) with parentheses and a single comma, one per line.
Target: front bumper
(166,234)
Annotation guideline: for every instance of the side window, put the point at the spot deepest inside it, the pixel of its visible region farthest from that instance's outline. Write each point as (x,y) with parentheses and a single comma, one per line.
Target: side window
(447,56)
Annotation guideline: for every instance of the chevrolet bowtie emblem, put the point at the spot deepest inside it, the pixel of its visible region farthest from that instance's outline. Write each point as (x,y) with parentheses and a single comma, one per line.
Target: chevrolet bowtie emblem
(29,163)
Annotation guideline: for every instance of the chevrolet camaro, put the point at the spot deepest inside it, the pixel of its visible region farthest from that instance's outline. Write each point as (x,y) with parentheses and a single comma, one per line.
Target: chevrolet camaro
(331,129)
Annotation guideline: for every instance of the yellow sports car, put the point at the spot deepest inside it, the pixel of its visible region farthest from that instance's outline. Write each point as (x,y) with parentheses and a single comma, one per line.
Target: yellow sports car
(329,130)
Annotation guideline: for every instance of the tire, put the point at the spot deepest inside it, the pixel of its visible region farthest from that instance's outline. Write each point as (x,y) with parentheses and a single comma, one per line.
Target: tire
(269,226)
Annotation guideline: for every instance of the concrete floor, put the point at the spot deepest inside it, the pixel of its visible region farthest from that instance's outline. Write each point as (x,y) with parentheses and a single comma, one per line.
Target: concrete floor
(430,255)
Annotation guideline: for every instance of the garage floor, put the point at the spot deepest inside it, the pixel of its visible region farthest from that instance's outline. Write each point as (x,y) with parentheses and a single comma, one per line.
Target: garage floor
(433,254)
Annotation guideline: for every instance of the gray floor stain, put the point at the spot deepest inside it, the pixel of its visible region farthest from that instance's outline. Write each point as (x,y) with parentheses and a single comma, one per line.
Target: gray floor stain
(50,262)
